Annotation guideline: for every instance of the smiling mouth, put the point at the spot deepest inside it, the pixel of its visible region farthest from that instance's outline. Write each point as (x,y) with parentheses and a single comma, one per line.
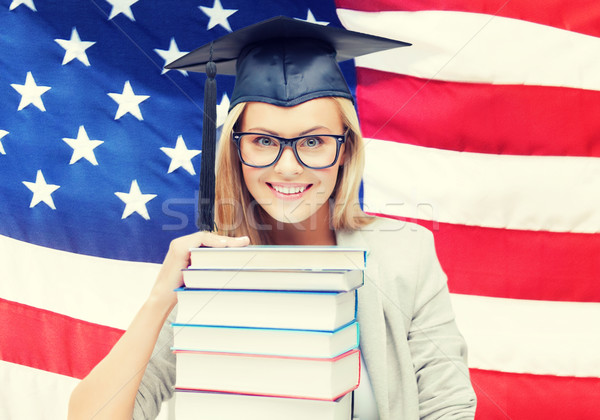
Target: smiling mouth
(289,190)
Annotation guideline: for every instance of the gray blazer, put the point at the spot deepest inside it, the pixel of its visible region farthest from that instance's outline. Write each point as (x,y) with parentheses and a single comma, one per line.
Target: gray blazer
(415,355)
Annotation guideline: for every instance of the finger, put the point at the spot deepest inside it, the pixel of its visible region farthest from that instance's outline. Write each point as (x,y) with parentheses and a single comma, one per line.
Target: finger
(238,241)
(220,241)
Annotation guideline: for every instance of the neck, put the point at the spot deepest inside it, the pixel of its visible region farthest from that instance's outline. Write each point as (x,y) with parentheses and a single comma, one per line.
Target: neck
(315,230)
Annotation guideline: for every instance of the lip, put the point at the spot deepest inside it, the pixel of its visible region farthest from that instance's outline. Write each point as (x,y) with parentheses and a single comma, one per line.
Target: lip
(283,196)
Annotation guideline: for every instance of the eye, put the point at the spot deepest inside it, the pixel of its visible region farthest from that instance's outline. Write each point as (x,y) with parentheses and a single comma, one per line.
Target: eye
(265,141)
(311,142)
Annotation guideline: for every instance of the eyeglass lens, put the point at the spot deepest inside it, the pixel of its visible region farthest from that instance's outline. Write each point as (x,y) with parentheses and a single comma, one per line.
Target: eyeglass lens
(262,150)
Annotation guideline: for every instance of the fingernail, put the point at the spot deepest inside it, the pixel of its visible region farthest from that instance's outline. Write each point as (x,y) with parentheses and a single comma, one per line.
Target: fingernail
(241,238)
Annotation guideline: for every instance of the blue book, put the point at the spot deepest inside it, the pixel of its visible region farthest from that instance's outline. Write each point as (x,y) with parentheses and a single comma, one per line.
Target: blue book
(322,311)
(266,341)
(254,279)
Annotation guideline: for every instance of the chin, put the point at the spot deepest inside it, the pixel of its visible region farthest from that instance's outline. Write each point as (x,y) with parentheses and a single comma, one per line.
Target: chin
(289,217)
(301,213)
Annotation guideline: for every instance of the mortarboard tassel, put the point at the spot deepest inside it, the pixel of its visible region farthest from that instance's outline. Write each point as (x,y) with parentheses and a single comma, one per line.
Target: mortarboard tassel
(206,198)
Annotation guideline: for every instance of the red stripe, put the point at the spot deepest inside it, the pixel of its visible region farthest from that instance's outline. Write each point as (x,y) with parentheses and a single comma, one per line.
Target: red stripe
(483,118)
(574,15)
(518,264)
(52,342)
(511,396)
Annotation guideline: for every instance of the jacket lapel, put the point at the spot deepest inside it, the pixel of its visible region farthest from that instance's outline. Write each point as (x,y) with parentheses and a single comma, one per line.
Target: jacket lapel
(371,323)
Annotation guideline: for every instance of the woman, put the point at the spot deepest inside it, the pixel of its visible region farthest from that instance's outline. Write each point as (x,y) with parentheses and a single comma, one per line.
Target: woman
(288,172)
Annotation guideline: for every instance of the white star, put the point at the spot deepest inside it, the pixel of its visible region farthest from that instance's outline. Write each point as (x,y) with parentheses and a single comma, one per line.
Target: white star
(135,201)
(218,15)
(311,19)
(222,110)
(181,156)
(41,191)
(121,6)
(31,93)
(75,48)
(17,3)
(171,55)
(83,147)
(128,102)
(2,134)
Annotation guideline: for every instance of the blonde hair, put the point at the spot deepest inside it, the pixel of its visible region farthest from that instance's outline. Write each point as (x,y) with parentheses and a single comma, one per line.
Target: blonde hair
(237,214)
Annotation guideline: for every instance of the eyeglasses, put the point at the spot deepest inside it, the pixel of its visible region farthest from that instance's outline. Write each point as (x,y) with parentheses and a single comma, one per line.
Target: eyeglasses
(315,151)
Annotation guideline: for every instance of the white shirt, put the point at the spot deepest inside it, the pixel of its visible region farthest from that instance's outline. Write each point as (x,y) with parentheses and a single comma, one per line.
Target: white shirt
(365,407)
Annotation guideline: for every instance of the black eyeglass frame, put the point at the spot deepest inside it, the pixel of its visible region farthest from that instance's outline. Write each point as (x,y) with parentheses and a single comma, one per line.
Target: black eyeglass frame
(291,142)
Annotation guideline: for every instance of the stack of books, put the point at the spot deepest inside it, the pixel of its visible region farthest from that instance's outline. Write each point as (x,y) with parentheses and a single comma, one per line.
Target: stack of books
(268,332)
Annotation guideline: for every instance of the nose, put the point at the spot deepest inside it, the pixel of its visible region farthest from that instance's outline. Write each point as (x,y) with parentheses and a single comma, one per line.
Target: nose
(287,163)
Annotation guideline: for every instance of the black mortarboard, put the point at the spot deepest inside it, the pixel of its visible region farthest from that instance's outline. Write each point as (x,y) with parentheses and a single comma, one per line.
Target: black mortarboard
(280,61)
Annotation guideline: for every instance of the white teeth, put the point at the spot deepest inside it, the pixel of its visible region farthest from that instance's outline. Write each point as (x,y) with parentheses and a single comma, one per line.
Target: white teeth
(288,190)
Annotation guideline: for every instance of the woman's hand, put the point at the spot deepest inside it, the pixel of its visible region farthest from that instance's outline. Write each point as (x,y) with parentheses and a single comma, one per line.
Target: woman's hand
(170,276)
(110,389)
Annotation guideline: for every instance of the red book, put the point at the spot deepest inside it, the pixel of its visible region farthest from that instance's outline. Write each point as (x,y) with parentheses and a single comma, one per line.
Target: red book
(251,374)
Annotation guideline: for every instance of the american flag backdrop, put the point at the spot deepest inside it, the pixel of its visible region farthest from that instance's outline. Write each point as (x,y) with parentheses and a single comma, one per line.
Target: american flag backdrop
(486,131)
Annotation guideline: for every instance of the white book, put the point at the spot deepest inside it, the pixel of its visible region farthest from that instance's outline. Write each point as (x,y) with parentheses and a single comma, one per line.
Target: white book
(279,257)
(200,405)
(290,377)
(323,311)
(254,279)
(267,341)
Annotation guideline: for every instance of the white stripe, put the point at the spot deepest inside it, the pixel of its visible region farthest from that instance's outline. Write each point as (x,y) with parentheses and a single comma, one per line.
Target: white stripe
(29,393)
(559,194)
(473,47)
(103,291)
(526,336)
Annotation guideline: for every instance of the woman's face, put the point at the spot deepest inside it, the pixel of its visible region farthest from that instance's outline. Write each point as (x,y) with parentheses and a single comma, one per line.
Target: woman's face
(288,191)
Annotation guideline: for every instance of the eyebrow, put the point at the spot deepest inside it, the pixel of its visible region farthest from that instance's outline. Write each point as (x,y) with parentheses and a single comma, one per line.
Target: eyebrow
(273,133)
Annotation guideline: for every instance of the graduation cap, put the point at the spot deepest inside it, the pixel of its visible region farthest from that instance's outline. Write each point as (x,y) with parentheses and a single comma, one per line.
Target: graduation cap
(280,61)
